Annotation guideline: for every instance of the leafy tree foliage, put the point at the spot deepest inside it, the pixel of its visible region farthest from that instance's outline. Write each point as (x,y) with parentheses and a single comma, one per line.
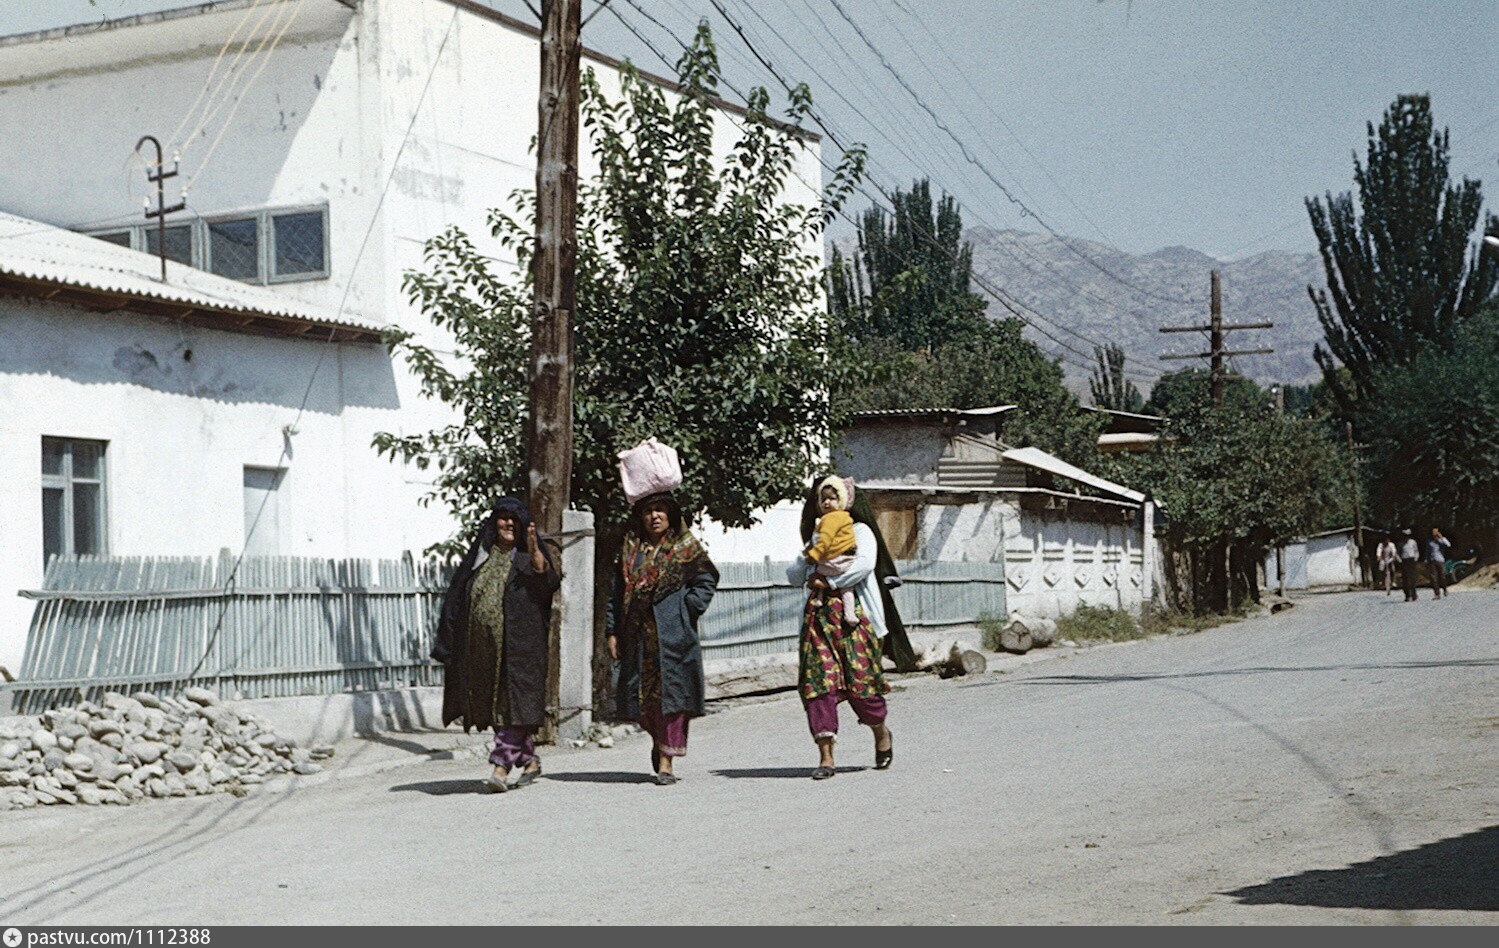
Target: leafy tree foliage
(1190,392)
(698,317)
(909,280)
(1109,387)
(912,334)
(1433,432)
(1236,480)
(1401,270)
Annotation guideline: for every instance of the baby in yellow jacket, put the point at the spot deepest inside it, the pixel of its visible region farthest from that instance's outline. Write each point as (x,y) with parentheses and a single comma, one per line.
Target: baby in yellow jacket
(833,548)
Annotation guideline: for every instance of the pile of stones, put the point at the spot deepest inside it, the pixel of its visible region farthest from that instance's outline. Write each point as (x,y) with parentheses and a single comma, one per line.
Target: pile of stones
(127,748)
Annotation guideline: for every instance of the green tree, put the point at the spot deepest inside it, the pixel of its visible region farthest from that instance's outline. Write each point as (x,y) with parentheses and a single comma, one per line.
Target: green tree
(1432,427)
(1190,392)
(698,316)
(1108,386)
(909,279)
(1233,482)
(1401,269)
(912,334)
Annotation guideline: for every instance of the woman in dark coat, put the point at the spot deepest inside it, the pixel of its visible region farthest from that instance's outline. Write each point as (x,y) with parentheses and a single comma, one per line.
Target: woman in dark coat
(493,640)
(661,588)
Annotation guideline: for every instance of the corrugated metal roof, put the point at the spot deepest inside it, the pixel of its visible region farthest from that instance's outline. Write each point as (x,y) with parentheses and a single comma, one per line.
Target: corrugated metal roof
(38,259)
(1035,457)
(933,412)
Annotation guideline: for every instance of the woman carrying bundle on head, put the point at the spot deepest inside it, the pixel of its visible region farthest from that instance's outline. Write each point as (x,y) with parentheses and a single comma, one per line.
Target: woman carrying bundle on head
(662,585)
(493,640)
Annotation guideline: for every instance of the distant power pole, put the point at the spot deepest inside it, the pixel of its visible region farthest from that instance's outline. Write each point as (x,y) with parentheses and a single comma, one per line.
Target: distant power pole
(1217,354)
(550,422)
(1358,515)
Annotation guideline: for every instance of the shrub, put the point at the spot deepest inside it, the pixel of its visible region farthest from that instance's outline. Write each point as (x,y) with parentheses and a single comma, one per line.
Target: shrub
(1099,623)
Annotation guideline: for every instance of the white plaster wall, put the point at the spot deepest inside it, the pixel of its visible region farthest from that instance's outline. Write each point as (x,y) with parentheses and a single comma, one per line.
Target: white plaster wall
(893,453)
(1052,563)
(777,536)
(1331,560)
(180,433)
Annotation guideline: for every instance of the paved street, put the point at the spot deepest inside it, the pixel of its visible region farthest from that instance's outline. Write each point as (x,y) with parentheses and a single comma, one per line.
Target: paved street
(1334,763)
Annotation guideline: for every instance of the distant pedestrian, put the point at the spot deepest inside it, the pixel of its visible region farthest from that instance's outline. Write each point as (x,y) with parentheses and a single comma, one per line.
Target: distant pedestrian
(1385,558)
(1436,561)
(839,654)
(492,639)
(1410,555)
(661,587)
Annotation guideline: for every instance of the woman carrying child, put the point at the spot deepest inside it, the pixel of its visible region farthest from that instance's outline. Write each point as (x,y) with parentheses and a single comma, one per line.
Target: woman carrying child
(842,624)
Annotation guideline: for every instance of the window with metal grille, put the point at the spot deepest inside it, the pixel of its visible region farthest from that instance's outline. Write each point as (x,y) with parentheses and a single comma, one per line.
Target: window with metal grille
(276,245)
(298,242)
(179,243)
(234,248)
(73,500)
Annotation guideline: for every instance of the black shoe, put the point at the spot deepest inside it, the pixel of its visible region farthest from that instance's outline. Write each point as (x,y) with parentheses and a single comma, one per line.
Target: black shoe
(666,780)
(882,758)
(823,773)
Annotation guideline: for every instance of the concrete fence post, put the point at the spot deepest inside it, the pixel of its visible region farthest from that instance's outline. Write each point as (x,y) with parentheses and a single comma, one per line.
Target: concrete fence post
(575,687)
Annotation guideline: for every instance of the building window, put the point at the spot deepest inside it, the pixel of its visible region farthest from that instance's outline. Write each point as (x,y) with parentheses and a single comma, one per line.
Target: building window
(263,510)
(179,242)
(234,248)
(73,501)
(277,245)
(298,239)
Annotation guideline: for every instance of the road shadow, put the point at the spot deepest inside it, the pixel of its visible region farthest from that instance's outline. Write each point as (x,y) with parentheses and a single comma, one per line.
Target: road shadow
(601,776)
(1460,873)
(442,788)
(1220,673)
(764,773)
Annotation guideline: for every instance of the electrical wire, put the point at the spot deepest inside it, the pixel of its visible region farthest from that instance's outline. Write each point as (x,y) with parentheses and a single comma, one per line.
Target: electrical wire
(213,71)
(219,95)
(239,100)
(971,159)
(998,294)
(328,344)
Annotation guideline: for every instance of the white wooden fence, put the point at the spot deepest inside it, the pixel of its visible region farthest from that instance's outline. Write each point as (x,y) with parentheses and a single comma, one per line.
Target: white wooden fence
(300,626)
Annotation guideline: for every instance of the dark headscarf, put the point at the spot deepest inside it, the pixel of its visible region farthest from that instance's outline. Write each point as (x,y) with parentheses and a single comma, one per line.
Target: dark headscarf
(452,628)
(673,513)
(897,646)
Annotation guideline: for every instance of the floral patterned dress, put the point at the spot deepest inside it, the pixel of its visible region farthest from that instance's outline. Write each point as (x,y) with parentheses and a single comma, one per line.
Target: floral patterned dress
(837,658)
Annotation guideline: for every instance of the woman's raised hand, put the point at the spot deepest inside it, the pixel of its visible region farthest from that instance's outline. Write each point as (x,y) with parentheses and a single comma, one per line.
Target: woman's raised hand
(533,546)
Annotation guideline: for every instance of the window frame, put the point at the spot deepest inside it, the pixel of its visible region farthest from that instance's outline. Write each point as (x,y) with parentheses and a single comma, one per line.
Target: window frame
(268,241)
(265,237)
(64,481)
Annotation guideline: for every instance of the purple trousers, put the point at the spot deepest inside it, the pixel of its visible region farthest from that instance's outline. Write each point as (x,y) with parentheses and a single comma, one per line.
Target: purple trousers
(512,747)
(669,731)
(822,712)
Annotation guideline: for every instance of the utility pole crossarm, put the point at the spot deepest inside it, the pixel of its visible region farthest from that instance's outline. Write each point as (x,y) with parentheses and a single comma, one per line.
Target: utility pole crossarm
(1218,351)
(1230,326)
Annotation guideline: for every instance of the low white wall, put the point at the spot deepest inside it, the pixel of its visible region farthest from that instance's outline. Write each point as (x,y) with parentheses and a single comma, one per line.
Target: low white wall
(1053,562)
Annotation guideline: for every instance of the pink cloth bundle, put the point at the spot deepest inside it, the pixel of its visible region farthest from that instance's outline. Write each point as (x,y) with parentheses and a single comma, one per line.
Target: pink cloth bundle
(649,468)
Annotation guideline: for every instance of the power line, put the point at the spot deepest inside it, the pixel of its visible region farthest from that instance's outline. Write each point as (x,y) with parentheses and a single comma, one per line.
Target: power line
(328,344)
(1002,243)
(968,156)
(998,294)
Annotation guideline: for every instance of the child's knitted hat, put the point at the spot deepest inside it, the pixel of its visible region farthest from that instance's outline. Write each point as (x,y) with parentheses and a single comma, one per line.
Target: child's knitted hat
(842,486)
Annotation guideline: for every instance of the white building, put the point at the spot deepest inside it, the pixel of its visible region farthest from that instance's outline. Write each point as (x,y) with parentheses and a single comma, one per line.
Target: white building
(946,487)
(340,135)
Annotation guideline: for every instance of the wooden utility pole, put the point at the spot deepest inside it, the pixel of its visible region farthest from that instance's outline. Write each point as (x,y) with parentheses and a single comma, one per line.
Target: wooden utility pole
(549,429)
(1217,354)
(1358,503)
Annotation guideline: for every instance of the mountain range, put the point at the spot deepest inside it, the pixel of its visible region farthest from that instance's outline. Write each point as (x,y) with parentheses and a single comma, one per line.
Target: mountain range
(1102,294)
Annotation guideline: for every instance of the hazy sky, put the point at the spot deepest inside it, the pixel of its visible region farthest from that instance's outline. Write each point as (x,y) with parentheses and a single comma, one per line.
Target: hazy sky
(1143,124)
